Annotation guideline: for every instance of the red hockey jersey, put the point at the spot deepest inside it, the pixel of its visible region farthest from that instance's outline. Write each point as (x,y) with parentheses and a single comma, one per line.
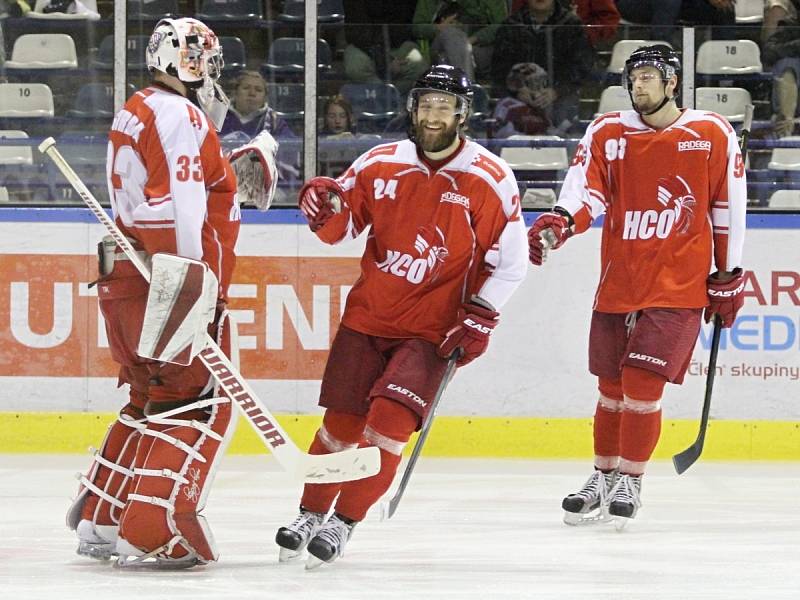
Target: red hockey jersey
(672,199)
(171,189)
(436,237)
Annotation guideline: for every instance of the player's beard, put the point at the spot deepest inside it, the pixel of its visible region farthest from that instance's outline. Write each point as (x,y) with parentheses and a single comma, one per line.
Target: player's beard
(435,141)
(646,104)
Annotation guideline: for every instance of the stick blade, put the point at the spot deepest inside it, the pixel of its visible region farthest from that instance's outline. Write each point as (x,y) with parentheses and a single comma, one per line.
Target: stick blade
(347,465)
(683,460)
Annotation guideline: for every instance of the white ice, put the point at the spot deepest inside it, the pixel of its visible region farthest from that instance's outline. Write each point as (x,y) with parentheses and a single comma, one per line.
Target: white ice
(466,529)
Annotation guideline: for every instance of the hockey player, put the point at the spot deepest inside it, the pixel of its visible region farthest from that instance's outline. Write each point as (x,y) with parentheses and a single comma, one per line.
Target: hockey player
(172,192)
(445,250)
(671,183)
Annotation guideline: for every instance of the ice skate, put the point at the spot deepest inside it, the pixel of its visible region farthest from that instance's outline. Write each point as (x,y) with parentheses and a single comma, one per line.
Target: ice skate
(589,505)
(624,501)
(294,538)
(329,543)
(96,541)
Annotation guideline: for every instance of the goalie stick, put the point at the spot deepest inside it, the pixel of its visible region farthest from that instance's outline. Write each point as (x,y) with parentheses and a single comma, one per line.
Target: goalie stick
(348,465)
(389,508)
(685,459)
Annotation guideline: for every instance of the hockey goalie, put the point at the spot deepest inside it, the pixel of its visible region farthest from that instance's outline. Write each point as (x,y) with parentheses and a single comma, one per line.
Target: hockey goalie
(176,197)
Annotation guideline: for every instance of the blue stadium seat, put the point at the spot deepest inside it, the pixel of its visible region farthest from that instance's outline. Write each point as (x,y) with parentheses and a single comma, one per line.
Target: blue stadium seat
(374,104)
(287,99)
(328,11)
(286,56)
(152,10)
(96,101)
(136,59)
(244,11)
(233,53)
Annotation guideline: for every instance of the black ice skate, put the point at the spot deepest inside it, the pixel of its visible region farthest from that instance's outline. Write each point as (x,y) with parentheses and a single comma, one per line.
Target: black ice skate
(589,504)
(329,543)
(294,538)
(624,501)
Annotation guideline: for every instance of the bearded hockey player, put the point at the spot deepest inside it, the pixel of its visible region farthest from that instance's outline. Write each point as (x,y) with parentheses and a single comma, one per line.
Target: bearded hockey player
(445,250)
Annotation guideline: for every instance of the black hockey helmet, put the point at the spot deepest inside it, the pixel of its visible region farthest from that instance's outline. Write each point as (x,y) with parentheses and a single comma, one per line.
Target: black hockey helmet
(660,56)
(443,78)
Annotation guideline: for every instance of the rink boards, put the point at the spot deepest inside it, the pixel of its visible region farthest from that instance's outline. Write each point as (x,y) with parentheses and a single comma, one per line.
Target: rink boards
(529,396)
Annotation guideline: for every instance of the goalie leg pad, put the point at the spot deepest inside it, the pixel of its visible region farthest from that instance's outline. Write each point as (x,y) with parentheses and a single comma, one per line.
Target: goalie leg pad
(95,512)
(175,466)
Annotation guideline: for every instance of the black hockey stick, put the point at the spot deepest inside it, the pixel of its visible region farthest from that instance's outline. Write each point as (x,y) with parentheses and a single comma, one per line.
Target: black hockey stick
(388,508)
(684,460)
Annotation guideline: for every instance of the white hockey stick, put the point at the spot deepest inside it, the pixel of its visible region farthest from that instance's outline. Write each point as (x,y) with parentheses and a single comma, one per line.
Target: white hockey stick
(348,465)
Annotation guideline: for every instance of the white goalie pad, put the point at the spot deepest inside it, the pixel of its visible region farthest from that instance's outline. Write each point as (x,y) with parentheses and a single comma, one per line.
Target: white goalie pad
(256,170)
(180,305)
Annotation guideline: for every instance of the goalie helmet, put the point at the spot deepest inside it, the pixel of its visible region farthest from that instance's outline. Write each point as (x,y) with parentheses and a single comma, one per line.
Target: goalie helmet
(189,50)
(660,56)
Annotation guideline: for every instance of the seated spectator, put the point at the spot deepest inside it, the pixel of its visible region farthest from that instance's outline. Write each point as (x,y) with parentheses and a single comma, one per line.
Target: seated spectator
(523,111)
(601,17)
(461,32)
(548,34)
(781,55)
(369,26)
(663,15)
(338,118)
(249,111)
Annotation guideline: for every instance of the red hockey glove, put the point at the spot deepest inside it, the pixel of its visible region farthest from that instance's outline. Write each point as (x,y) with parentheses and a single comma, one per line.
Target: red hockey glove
(470,333)
(320,199)
(725,297)
(549,231)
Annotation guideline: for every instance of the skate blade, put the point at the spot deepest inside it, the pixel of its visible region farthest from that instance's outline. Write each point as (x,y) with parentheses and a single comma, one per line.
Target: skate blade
(132,563)
(582,519)
(313,563)
(285,555)
(96,551)
(620,523)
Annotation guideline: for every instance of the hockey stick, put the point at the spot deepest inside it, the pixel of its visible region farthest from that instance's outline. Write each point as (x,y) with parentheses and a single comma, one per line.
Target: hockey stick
(685,459)
(388,508)
(348,465)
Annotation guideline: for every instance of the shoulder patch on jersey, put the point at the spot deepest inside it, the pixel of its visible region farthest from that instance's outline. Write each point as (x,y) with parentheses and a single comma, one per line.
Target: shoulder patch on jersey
(386,150)
(491,167)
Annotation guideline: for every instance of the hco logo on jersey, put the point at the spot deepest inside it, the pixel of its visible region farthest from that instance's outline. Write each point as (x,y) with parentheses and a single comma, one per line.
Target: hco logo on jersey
(407,393)
(455,199)
(689,145)
(431,251)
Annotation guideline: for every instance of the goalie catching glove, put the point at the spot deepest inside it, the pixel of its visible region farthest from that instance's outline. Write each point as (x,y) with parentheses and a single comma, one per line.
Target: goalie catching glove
(256,170)
(470,334)
(320,199)
(725,297)
(549,231)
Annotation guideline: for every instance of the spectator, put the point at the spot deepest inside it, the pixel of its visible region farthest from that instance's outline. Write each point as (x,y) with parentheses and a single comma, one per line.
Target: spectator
(781,54)
(601,17)
(662,16)
(379,43)
(338,117)
(249,111)
(521,112)
(546,33)
(461,32)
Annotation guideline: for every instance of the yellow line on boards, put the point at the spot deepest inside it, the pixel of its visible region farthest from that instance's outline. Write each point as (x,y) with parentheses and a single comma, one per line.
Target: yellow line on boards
(473,437)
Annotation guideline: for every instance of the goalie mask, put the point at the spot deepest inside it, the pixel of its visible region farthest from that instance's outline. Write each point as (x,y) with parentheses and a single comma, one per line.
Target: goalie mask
(188,50)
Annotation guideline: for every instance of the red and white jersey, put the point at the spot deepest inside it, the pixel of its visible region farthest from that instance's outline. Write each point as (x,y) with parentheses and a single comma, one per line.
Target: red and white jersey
(673,198)
(171,189)
(437,236)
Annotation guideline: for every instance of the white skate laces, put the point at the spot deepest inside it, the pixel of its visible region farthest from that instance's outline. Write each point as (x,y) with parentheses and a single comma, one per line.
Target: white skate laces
(590,503)
(294,538)
(329,543)
(624,499)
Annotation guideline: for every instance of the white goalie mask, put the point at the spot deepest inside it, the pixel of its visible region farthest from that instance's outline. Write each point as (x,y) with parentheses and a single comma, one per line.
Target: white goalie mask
(190,51)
